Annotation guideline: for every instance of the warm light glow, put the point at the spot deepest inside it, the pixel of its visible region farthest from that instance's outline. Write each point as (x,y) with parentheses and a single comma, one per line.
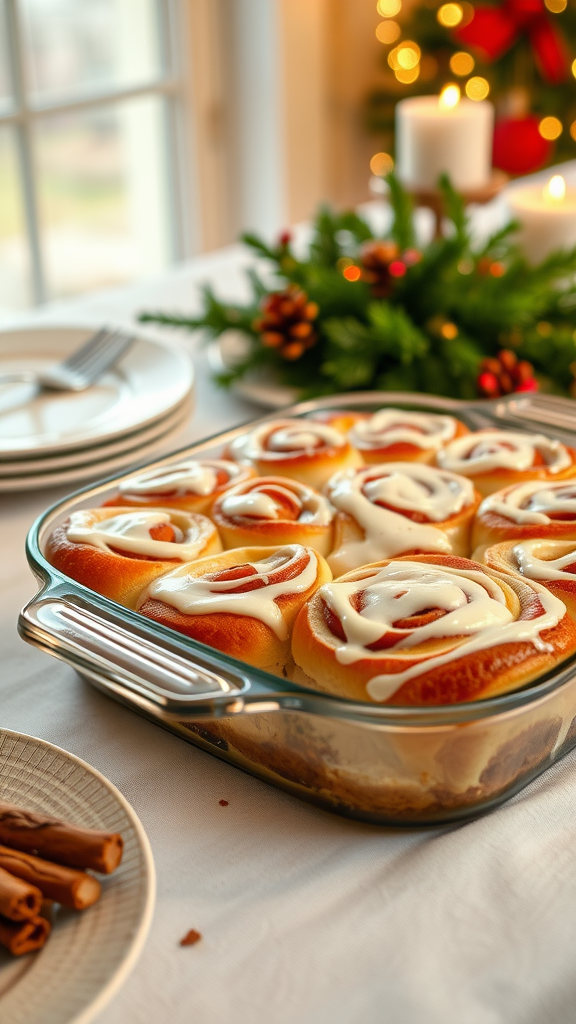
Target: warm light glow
(550,128)
(465,267)
(352,273)
(462,63)
(449,331)
(544,329)
(573,130)
(389,8)
(477,88)
(381,164)
(555,190)
(556,6)
(407,76)
(574,68)
(408,55)
(449,97)
(388,32)
(450,15)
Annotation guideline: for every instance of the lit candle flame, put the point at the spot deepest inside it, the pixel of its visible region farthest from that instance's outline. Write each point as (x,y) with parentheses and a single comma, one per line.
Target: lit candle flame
(449,97)
(555,190)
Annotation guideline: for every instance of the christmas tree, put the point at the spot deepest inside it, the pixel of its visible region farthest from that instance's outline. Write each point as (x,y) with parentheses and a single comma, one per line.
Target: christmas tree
(520,53)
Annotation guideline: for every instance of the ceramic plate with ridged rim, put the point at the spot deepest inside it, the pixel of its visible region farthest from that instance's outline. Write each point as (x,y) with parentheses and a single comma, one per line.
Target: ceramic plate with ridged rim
(88,954)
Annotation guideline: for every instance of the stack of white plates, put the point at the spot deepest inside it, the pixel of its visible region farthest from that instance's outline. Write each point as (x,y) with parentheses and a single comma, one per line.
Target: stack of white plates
(50,437)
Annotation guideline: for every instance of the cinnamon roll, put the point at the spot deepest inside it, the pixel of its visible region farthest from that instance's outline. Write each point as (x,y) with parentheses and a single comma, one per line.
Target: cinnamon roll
(427,630)
(550,562)
(191,485)
(241,602)
(117,551)
(392,435)
(274,510)
(396,508)
(300,449)
(494,459)
(533,509)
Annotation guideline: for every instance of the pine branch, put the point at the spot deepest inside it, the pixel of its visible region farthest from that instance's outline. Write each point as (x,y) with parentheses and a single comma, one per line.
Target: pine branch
(402,230)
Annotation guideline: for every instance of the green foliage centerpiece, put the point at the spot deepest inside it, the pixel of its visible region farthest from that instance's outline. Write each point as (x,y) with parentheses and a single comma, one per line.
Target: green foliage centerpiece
(362,312)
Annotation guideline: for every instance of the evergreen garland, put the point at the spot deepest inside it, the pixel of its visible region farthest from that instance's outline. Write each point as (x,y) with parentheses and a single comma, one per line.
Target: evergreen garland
(366,313)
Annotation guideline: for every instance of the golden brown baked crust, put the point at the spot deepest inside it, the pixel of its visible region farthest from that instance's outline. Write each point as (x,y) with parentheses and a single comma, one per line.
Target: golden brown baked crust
(552,563)
(505,665)
(285,577)
(122,575)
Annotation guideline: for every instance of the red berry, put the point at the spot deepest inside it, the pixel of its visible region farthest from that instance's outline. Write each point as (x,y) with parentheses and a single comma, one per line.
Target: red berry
(397,268)
(528,385)
(488,383)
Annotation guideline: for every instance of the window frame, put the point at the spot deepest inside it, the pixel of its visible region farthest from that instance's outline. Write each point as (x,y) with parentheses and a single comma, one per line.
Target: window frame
(24,113)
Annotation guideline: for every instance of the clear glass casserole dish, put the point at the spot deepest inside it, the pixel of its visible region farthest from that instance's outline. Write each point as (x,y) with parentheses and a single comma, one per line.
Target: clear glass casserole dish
(385,765)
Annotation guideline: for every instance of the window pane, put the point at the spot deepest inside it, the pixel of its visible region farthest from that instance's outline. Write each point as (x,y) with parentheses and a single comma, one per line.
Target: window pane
(102,194)
(15,289)
(76,47)
(5,90)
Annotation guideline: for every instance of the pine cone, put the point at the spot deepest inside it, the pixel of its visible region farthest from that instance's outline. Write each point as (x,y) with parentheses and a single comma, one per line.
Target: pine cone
(504,374)
(286,322)
(375,260)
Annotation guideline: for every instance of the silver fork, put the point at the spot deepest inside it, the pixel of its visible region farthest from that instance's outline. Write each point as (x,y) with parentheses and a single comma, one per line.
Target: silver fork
(82,368)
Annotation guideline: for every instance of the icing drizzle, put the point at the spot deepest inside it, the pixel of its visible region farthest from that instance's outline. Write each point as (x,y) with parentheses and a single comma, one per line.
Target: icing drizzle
(502,449)
(191,477)
(533,501)
(286,439)
(476,617)
(130,532)
(256,500)
(413,487)
(393,426)
(204,595)
(535,568)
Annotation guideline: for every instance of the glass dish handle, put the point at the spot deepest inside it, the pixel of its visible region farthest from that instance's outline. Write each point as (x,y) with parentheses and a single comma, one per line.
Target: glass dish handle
(127,661)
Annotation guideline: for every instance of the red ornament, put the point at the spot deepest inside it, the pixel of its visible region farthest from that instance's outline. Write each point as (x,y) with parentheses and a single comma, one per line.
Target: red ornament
(518,147)
(493,30)
(504,374)
(285,238)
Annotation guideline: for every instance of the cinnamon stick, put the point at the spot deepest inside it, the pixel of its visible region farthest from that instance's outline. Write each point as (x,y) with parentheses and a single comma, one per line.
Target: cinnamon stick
(18,899)
(59,840)
(65,885)
(24,936)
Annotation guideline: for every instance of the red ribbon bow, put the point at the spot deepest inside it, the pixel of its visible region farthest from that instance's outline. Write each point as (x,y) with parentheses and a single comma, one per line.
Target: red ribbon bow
(493,30)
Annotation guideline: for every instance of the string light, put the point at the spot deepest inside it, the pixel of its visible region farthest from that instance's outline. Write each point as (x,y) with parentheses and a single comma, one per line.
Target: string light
(449,331)
(408,55)
(388,32)
(574,68)
(407,75)
(462,63)
(450,15)
(352,273)
(389,8)
(381,164)
(477,88)
(573,130)
(556,6)
(550,128)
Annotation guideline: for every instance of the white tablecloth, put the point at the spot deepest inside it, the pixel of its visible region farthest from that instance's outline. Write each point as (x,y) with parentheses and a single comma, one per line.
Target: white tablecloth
(304,916)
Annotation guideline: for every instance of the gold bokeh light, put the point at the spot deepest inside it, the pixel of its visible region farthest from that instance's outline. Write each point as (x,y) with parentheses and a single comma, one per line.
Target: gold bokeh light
(389,8)
(550,128)
(477,88)
(573,130)
(462,63)
(408,55)
(388,32)
(407,75)
(556,6)
(381,164)
(450,15)
(574,68)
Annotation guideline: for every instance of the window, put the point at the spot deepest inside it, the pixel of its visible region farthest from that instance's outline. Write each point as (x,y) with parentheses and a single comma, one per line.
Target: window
(89,191)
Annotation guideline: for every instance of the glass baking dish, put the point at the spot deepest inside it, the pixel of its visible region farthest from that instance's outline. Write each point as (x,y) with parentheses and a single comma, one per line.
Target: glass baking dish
(385,765)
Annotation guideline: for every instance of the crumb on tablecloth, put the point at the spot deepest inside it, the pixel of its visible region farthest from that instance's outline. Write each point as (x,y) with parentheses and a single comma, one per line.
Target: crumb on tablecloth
(223,803)
(191,938)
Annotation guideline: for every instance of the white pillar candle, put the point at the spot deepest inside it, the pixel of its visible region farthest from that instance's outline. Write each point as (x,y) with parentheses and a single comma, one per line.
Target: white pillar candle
(547,217)
(436,134)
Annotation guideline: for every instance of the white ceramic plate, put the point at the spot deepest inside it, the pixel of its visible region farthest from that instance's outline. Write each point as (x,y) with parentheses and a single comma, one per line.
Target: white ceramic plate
(148,382)
(261,388)
(97,467)
(28,466)
(89,954)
